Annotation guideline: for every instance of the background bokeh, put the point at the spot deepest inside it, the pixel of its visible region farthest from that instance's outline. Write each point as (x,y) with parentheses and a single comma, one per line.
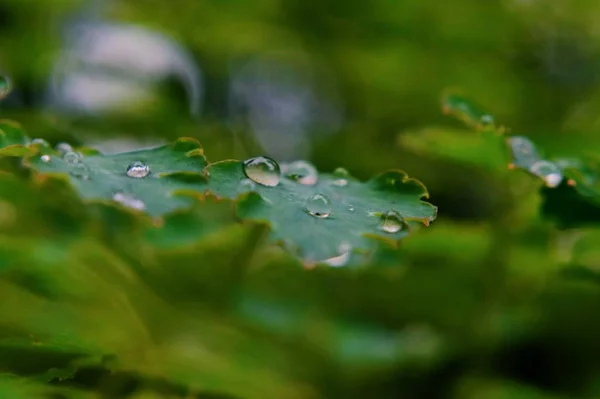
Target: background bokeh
(491,301)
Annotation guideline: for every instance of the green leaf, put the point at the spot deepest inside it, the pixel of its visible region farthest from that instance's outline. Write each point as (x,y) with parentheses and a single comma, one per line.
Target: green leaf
(470,113)
(103,177)
(356,210)
(179,172)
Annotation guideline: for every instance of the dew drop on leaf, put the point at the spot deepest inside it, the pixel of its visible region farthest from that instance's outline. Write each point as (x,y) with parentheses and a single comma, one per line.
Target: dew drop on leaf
(4,87)
(40,143)
(129,201)
(45,158)
(301,172)
(138,170)
(351,208)
(340,175)
(262,170)
(548,171)
(72,158)
(342,259)
(523,150)
(80,171)
(63,148)
(486,120)
(392,222)
(318,205)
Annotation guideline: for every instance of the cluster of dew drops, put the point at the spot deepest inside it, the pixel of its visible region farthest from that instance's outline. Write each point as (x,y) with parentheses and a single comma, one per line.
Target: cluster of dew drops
(78,169)
(267,172)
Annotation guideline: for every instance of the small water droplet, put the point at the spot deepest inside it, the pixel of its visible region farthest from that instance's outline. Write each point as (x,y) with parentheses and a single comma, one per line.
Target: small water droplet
(340,260)
(341,177)
(523,150)
(72,157)
(63,148)
(138,170)
(318,205)
(548,171)
(262,170)
(5,87)
(129,201)
(351,208)
(486,120)
(45,158)
(392,222)
(80,171)
(246,185)
(40,143)
(301,172)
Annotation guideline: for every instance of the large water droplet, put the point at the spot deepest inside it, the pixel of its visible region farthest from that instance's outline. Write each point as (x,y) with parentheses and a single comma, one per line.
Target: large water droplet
(302,172)
(40,143)
(129,201)
(45,158)
(318,206)
(72,157)
(548,171)
(392,222)
(523,150)
(63,148)
(5,87)
(262,170)
(342,259)
(138,170)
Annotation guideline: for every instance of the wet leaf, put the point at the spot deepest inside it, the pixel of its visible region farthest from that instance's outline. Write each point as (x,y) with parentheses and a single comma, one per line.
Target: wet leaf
(356,208)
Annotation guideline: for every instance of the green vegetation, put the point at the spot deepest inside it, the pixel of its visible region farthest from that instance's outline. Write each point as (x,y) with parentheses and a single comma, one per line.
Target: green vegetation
(201,269)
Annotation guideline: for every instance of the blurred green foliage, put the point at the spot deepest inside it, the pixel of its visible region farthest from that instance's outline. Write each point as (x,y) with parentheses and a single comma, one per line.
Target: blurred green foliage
(498,298)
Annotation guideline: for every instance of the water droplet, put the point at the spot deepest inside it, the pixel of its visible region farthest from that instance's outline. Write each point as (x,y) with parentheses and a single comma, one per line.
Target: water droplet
(341,175)
(72,157)
(129,201)
(45,158)
(63,148)
(318,206)
(40,143)
(246,185)
(340,260)
(548,171)
(524,152)
(486,120)
(392,222)
(80,171)
(302,172)
(262,170)
(5,87)
(351,208)
(138,170)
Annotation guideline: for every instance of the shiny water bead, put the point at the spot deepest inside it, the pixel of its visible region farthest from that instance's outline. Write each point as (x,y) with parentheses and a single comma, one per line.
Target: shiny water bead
(301,172)
(341,177)
(5,87)
(342,259)
(63,148)
(318,205)
(80,171)
(129,201)
(40,143)
(523,150)
(262,170)
(392,222)
(547,171)
(72,157)
(138,170)
(45,158)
